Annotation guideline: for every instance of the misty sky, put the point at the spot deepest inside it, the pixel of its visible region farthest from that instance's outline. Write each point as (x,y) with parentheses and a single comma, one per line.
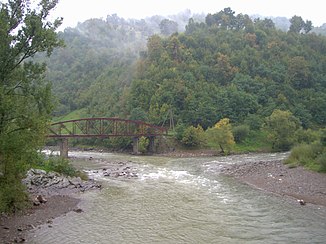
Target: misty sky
(74,11)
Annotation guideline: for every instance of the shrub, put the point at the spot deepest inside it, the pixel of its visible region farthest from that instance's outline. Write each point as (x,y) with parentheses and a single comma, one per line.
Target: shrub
(306,136)
(312,156)
(240,132)
(143,144)
(60,165)
(323,137)
(193,136)
(179,130)
(321,160)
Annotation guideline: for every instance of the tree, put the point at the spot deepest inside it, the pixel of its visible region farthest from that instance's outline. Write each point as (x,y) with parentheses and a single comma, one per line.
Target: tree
(168,27)
(221,134)
(298,25)
(281,127)
(25,97)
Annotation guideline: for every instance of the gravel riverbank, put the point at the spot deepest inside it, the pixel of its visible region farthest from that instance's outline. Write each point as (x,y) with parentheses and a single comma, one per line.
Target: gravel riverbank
(275,177)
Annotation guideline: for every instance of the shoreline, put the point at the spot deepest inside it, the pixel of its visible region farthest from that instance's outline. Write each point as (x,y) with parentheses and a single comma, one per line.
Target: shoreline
(14,228)
(51,195)
(298,184)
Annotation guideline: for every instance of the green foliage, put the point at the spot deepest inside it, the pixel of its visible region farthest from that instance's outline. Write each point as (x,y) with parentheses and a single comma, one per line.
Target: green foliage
(256,141)
(59,165)
(323,137)
(240,132)
(25,96)
(281,127)
(306,136)
(321,161)
(221,135)
(13,196)
(254,121)
(143,144)
(179,131)
(193,136)
(310,156)
(227,66)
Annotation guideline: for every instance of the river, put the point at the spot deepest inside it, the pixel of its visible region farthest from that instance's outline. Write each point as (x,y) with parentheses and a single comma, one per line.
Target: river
(182,200)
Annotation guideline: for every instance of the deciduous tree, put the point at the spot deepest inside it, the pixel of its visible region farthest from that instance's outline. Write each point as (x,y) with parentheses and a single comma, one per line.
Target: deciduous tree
(281,127)
(221,135)
(25,100)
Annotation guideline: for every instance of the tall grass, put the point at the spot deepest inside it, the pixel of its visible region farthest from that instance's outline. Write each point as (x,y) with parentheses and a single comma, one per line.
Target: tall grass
(311,156)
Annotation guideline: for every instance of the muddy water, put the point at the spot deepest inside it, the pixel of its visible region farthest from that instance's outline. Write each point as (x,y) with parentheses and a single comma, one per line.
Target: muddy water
(182,201)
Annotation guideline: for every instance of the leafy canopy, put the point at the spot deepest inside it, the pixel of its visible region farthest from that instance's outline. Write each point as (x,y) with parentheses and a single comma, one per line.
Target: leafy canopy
(25,97)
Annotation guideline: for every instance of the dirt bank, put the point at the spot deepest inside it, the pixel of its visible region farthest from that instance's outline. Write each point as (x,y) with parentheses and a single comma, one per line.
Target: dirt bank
(52,195)
(13,229)
(296,183)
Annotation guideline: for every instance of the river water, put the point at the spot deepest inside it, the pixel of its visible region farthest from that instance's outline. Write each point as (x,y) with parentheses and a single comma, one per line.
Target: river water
(181,201)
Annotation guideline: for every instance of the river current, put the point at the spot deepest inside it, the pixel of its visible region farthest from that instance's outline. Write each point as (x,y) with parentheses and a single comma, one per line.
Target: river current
(181,201)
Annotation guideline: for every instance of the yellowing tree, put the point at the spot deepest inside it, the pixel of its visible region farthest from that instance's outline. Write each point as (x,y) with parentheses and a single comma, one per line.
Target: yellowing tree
(221,135)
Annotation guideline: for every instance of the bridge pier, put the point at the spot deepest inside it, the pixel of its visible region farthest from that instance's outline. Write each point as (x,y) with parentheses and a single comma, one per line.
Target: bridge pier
(135,145)
(64,148)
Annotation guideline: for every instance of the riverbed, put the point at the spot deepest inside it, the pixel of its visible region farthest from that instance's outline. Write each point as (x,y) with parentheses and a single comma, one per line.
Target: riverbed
(180,200)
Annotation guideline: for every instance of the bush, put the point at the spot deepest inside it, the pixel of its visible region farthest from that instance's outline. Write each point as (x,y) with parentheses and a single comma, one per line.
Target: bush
(240,132)
(312,156)
(143,144)
(321,160)
(57,164)
(323,137)
(306,136)
(193,136)
(179,130)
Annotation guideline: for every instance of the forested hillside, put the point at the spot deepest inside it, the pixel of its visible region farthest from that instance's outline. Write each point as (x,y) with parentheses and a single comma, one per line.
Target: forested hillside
(95,66)
(227,66)
(231,66)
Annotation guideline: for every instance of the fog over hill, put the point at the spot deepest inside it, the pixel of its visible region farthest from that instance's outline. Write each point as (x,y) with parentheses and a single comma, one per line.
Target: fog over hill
(202,67)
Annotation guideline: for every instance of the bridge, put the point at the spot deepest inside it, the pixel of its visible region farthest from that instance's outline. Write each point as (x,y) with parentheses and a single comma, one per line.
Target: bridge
(104,128)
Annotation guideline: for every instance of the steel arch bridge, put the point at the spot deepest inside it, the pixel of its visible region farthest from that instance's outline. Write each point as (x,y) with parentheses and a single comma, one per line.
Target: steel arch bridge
(104,128)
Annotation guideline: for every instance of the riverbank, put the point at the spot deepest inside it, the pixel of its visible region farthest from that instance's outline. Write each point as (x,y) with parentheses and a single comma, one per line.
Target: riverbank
(14,228)
(52,195)
(300,185)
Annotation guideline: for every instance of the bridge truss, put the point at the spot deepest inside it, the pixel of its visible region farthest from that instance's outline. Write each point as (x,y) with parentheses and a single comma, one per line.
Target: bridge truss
(104,128)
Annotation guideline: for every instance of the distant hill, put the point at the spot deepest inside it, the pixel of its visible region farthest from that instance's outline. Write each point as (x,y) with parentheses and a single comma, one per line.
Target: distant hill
(215,67)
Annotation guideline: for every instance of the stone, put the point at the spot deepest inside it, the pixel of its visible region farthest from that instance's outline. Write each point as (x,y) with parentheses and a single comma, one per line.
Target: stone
(38,171)
(76,181)
(41,199)
(301,202)
(78,210)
